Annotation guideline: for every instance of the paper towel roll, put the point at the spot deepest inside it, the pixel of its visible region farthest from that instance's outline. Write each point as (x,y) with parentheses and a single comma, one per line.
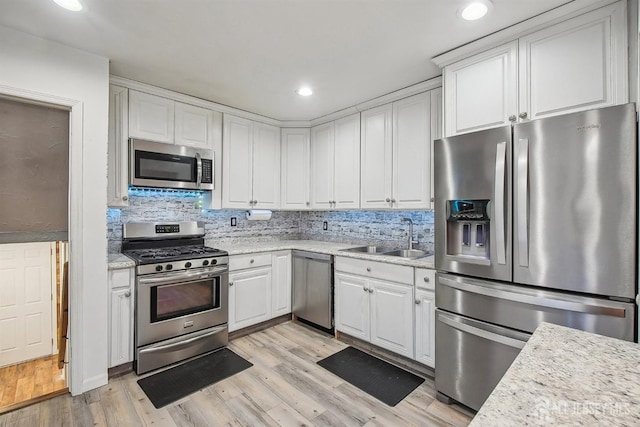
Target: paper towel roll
(258,214)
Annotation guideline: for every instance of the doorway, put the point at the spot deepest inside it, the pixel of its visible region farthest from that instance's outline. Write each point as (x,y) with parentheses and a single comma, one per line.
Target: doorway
(34,223)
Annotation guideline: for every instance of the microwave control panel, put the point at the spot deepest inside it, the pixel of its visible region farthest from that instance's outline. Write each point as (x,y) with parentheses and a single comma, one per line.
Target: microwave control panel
(207,171)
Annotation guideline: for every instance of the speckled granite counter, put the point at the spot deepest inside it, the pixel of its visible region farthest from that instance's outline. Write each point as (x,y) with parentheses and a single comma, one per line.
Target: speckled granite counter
(118,261)
(330,248)
(567,377)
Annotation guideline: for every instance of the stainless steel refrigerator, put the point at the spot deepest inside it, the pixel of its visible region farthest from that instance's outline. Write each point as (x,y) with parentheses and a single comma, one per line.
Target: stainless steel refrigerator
(534,222)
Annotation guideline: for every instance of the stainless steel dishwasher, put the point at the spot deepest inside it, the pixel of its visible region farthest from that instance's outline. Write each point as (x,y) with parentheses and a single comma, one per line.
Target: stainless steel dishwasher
(313,288)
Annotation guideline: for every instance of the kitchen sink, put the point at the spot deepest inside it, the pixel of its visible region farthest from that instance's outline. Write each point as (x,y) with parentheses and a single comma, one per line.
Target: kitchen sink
(369,250)
(408,253)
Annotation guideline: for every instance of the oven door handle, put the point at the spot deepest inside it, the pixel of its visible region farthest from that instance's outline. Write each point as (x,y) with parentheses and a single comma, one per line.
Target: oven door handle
(181,277)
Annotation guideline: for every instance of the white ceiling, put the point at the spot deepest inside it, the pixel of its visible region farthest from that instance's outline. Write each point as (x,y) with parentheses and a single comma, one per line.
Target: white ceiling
(253,54)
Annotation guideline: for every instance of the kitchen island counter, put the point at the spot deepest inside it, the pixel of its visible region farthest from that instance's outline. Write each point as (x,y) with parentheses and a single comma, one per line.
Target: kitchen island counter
(330,248)
(567,377)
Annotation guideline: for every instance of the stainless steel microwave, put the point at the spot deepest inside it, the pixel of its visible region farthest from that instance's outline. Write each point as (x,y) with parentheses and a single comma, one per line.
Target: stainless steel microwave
(153,164)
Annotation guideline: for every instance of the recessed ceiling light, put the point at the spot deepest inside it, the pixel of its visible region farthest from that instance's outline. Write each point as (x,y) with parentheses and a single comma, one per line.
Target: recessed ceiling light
(305,91)
(475,10)
(73,5)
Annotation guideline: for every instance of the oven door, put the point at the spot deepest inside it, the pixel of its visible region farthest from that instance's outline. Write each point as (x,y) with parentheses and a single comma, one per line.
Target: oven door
(178,303)
(170,166)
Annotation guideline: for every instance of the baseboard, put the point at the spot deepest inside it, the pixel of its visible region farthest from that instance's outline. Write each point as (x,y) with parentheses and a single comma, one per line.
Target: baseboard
(259,327)
(119,370)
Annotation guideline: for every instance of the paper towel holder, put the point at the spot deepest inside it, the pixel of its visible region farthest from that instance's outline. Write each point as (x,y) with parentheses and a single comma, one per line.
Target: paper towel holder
(259,214)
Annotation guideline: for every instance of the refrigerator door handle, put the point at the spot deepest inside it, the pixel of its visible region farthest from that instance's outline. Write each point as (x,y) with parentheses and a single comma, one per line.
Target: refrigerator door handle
(501,152)
(578,307)
(522,202)
(491,336)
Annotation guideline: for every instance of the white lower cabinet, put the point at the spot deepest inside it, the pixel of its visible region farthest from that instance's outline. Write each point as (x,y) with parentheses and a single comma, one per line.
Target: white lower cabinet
(259,288)
(425,315)
(373,308)
(120,316)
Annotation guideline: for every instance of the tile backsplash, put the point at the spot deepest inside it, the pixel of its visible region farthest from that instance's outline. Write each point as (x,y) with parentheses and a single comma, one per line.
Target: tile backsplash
(359,227)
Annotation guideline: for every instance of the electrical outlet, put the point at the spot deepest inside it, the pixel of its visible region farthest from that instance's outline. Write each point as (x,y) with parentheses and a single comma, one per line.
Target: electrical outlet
(325,225)
(233,221)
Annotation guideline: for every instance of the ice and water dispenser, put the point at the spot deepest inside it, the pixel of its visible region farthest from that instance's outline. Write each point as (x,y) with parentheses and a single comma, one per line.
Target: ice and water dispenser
(468,228)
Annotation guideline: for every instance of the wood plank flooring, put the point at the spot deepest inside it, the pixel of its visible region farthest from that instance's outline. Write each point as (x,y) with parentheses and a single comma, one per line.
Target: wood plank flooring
(285,387)
(30,380)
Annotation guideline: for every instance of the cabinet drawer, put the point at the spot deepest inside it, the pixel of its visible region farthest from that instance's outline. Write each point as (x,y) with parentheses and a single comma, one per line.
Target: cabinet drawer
(240,262)
(425,278)
(120,278)
(378,270)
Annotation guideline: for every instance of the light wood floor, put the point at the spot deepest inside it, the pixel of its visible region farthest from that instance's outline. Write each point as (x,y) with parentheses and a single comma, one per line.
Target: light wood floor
(284,387)
(30,380)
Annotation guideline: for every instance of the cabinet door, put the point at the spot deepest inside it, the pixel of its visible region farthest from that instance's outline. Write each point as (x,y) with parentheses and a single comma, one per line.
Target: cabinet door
(412,152)
(352,305)
(294,191)
(193,125)
(118,160)
(322,166)
(237,164)
(120,317)
(425,327)
(266,166)
(576,65)
(346,173)
(281,285)
(376,157)
(249,297)
(481,91)
(151,117)
(392,316)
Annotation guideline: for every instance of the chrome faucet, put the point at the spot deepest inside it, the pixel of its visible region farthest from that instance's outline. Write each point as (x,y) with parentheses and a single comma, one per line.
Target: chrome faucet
(410,241)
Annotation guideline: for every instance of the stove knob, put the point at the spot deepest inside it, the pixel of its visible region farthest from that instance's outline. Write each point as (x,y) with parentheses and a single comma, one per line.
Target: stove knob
(205,262)
(169,267)
(158,268)
(214,261)
(187,264)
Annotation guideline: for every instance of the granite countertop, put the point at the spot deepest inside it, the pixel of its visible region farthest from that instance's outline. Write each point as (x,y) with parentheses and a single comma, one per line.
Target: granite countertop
(118,261)
(330,248)
(567,377)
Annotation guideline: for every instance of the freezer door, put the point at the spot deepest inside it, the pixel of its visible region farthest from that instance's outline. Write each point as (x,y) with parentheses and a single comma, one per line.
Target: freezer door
(575,202)
(523,308)
(472,357)
(473,204)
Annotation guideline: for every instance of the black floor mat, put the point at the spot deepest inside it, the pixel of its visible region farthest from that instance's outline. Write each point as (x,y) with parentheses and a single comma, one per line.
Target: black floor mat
(376,377)
(175,383)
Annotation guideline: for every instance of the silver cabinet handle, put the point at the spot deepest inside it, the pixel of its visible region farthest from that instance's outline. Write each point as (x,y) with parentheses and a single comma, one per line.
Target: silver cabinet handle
(364,288)
(501,151)
(127,294)
(230,283)
(523,115)
(251,261)
(369,269)
(417,302)
(370,290)
(308,203)
(512,118)
(426,279)
(522,202)
(393,200)
(125,198)
(388,200)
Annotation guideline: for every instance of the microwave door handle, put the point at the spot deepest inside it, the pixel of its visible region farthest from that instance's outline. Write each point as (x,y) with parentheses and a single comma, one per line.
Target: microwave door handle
(199,173)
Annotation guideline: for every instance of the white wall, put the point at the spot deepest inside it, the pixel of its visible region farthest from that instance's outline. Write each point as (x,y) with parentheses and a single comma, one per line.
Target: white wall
(35,68)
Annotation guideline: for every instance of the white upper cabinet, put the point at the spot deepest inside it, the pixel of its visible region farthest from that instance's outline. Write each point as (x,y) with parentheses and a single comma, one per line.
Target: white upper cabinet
(161,119)
(575,65)
(396,154)
(118,155)
(251,164)
(294,187)
(151,117)
(481,91)
(335,164)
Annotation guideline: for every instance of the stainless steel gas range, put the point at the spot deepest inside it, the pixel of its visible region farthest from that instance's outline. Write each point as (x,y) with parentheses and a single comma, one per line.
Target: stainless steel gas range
(181,292)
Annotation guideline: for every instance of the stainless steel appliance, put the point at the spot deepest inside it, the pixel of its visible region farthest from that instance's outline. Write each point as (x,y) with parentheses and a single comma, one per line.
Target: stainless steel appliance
(181,292)
(313,288)
(534,222)
(153,164)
